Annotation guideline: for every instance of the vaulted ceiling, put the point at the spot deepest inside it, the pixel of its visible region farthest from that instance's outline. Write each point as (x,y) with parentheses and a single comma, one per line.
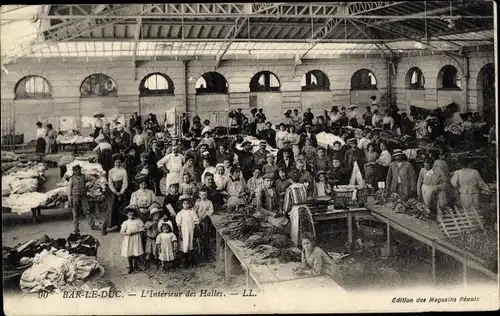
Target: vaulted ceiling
(244,30)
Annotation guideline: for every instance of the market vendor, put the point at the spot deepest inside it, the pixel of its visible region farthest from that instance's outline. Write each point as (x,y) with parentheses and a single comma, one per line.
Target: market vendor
(77,198)
(261,154)
(354,161)
(338,173)
(98,123)
(104,153)
(142,198)
(470,185)
(425,182)
(117,199)
(314,261)
(401,177)
(245,159)
(171,164)
(40,138)
(51,140)
(154,155)
(236,188)
(122,141)
(139,140)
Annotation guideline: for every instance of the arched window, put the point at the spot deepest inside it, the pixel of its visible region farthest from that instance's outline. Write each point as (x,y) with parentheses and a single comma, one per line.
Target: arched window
(315,80)
(264,81)
(98,85)
(415,79)
(156,84)
(363,79)
(448,78)
(33,87)
(211,82)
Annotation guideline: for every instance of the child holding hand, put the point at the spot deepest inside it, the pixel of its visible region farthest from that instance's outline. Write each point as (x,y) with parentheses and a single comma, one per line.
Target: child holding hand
(167,246)
(132,228)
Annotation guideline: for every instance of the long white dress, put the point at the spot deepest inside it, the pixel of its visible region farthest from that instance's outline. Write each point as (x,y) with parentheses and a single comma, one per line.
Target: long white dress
(174,164)
(132,245)
(166,242)
(187,219)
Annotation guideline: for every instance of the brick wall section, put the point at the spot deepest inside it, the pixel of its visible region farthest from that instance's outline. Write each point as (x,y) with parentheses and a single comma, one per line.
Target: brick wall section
(431,97)
(66,78)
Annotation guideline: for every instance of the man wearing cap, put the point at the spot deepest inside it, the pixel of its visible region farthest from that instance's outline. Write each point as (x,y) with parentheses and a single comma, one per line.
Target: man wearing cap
(261,154)
(268,198)
(245,158)
(307,134)
(270,166)
(122,140)
(308,117)
(171,164)
(355,163)
(401,177)
(77,198)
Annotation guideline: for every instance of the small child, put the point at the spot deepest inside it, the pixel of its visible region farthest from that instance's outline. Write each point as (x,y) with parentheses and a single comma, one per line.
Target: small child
(187,220)
(132,242)
(322,187)
(167,246)
(187,185)
(152,232)
(204,208)
(219,178)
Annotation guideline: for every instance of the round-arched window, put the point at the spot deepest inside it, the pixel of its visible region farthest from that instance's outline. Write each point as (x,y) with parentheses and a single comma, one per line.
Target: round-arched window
(315,80)
(98,85)
(264,81)
(363,79)
(448,78)
(33,87)
(415,79)
(156,84)
(211,82)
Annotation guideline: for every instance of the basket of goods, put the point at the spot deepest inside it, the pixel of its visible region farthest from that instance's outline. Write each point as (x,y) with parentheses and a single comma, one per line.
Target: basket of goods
(349,195)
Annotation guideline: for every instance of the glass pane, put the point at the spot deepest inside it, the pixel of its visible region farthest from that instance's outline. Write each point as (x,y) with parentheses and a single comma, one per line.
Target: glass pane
(414,77)
(262,81)
(373,81)
(274,82)
(314,80)
(201,83)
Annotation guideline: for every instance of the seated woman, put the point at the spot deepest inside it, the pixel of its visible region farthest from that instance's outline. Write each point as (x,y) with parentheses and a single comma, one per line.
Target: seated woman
(142,198)
(315,261)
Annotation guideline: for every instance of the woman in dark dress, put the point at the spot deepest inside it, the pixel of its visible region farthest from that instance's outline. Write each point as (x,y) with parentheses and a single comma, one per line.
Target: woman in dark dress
(104,155)
(196,128)
(40,138)
(117,195)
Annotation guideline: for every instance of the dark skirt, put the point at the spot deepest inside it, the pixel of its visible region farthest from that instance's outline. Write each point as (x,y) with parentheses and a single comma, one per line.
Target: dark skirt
(116,205)
(40,145)
(105,159)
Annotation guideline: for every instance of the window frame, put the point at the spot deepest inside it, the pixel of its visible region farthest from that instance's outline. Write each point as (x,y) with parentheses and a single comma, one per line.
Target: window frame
(18,95)
(205,91)
(358,73)
(420,85)
(322,78)
(146,92)
(441,78)
(255,87)
(92,77)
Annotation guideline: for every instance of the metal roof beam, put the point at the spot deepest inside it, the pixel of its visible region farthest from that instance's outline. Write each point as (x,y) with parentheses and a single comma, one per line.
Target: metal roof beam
(365,7)
(368,36)
(137,34)
(231,35)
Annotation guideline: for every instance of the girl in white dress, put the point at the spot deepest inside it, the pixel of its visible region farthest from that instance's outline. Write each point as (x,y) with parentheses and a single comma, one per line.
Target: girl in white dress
(167,246)
(132,229)
(186,220)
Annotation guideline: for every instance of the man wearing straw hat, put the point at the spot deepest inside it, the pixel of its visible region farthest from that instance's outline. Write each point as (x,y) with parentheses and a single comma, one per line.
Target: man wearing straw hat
(401,177)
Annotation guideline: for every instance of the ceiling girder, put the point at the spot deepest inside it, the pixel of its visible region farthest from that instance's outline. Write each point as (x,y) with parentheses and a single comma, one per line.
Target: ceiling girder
(231,35)
(137,35)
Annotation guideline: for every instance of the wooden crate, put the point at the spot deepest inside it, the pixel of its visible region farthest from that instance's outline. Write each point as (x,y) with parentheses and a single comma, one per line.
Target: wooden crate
(452,224)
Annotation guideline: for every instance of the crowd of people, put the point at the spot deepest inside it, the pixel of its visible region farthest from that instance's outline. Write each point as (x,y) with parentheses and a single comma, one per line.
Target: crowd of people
(199,173)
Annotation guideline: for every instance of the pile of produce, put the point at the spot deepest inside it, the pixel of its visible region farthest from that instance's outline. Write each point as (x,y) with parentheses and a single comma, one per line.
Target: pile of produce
(258,231)
(480,243)
(74,139)
(411,207)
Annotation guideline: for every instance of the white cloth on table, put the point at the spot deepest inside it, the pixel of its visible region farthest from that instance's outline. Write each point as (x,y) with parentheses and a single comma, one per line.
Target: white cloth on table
(186,220)
(166,242)
(132,245)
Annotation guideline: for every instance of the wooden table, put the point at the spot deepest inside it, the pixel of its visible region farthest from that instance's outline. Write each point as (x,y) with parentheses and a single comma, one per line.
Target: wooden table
(429,233)
(347,213)
(265,276)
